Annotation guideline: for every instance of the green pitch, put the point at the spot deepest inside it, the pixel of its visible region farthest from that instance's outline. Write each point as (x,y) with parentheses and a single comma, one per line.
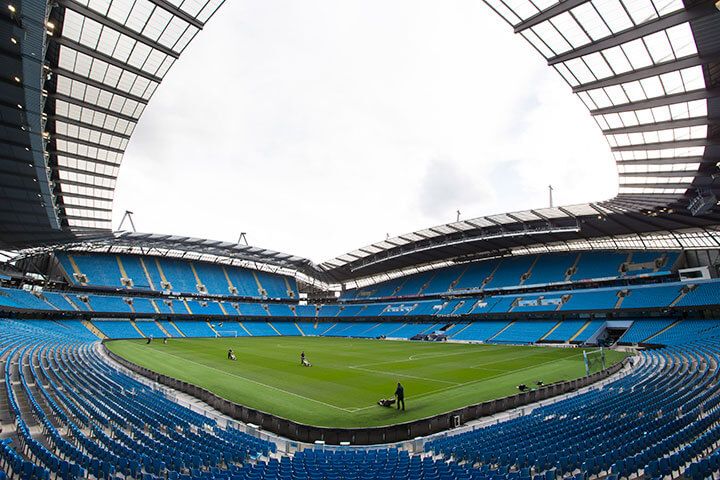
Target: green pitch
(348,376)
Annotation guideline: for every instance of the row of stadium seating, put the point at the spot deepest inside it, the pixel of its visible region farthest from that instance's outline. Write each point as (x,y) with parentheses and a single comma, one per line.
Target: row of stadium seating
(146,273)
(73,415)
(495,331)
(663,295)
(661,421)
(530,270)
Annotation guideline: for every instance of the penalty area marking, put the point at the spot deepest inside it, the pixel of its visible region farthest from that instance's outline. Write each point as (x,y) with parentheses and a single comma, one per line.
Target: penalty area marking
(254,381)
(471,382)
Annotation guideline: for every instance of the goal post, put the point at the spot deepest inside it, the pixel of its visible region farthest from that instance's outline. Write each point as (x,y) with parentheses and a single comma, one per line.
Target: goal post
(226,333)
(594,360)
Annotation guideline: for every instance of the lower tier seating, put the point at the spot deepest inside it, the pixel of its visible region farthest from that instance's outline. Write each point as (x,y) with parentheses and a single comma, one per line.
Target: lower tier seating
(72,414)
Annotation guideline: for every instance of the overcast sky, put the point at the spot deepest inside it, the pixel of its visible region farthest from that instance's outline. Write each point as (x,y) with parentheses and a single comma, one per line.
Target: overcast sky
(319,126)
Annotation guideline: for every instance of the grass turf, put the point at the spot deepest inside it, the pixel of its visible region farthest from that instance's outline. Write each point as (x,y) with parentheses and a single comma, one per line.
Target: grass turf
(349,376)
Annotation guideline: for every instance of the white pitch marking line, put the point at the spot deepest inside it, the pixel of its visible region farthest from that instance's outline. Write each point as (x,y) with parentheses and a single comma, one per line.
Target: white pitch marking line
(459,385)
(255,381)
(402,375)
(419,356)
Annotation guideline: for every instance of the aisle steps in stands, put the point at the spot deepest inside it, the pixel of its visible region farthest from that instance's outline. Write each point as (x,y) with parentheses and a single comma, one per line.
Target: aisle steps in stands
(67,299)
(273,327)
(582,329)
(78,274)
(222,308)
(528,274)
(246,330)
(162,329)
(510,324)
(166,284)
(299,329)
(683,292)
(647,340)
(147,274)
(199,285)
(134,325)
(489,278)
(231,288)
(93,329)
(187,307)
(459,331)
(620,299)
(210,326)
(288,288)
(426,284)
(261,290)
(154,305)
(573,268)
(177,329)
(123,272)
(551,331)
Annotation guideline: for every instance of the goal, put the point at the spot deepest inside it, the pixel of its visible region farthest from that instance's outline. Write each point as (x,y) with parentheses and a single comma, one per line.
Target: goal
(594,360)
(226,333)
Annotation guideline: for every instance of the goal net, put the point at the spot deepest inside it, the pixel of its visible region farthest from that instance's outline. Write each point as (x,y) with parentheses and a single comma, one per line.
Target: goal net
(226,333)
(594,360)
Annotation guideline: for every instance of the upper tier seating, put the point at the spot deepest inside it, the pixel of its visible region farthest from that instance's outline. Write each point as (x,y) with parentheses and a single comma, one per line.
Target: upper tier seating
(530,270)
(176,275)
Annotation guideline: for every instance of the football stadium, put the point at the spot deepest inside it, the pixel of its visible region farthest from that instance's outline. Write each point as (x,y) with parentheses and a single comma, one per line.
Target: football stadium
(578,341)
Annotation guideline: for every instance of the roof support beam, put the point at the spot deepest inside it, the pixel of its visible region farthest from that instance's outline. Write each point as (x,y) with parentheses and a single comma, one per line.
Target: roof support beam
(80,103)
(667,186)
(119,27)
(654,127)
(659,173)
(83,184)
(89,126)
(82,157)
(91,219)
(181,14)
(78,47)
(551,12)
(661,161)
(94,83)
(646,72)
(83,207)
(659,101)
(700,142)
(81,196)
(87,143)
(632,33)
(80,171)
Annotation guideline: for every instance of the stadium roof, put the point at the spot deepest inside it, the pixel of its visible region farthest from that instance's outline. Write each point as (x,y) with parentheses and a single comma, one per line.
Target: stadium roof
(77,75)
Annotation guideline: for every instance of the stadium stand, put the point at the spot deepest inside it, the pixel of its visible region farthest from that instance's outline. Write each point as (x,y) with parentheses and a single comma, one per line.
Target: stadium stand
(479,331)
(79,403)
(513,272)
(166,273)
(191,328)
(524,331)
(642,329)
(118,328)
(587,434)
(259,329)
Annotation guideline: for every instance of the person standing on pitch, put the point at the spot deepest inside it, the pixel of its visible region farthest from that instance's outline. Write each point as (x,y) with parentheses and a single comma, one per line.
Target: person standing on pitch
(302,358)
(400,394)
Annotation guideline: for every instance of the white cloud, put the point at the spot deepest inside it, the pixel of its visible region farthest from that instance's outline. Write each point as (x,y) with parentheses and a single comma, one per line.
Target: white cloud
(314,125)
